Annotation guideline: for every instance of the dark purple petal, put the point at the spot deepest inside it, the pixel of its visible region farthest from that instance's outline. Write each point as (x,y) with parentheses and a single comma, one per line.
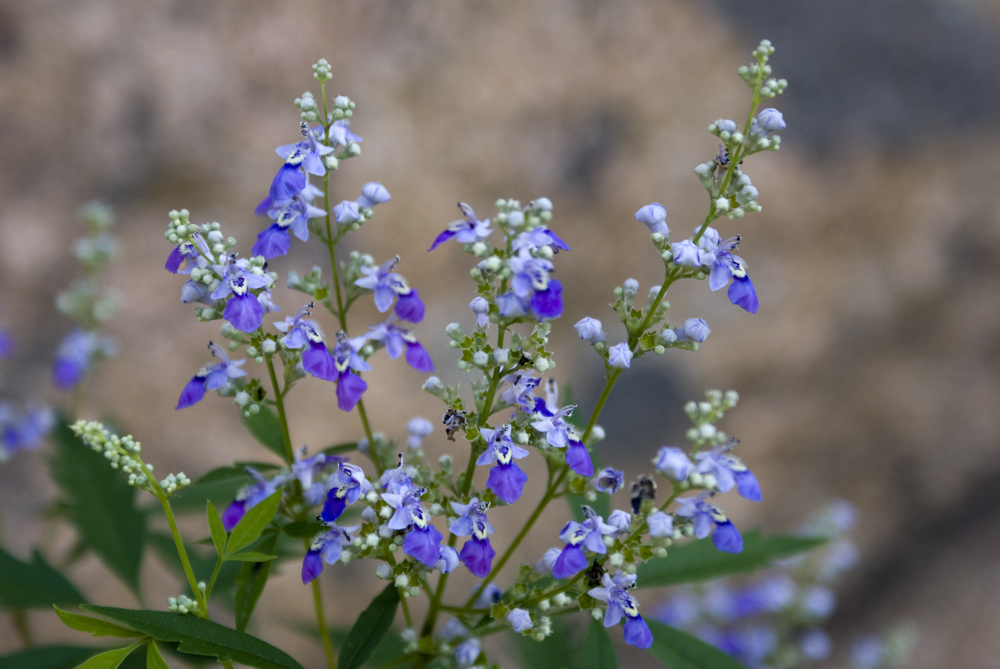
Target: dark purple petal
(742,294)
(410,307)
(547,303)
(747,486)
(272,242)
(312,565)
(288,182)
(265,205)
(318,362)
(441,239)
(571,561)
(637,633)
(333,507)
(350,387)
(423,545)
(244,312)
(507,481)
(727,538)
(233,513)
(192,393)
(578,459)
(418,358)
(477,556)
(174,260)
(68,373)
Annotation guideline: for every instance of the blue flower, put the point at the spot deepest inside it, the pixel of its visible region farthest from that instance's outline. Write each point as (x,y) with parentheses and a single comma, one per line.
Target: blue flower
(210,377)
(768,120)
(729,472)
(725,536)
(76,353)
(386,286)
(506,480)
(519,393)
(519,620)
(620,356)
(693,330)
(477,553)
(687,254)
(346,361)
(373,193)
(531,288)
(179,260)
(346,212)
(615,592)
(243,310)
(448,560)
(251,495)
(308,470)
(305,155)
(590,330)
(654,217)
(609,480)
(347,484)
(326,547)
(465,231)
(340,134)
(293,216)
(589,534)
(673,462)
(560,434)
(481,308)
(537,237)
(396,339)
(22,430)
(660,524)
(423,541)
(302,332)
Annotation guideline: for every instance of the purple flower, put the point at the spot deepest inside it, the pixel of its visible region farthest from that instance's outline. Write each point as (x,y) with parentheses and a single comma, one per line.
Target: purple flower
(620,520)
(620,356)
(423,541)
(293,216)
(396,339)
(686,254)
(609,480)
(418,429)
(448,560)
(727,266)
(76,353)
(477,553)
(346,212)
(373,193)
(519,393)
(347,484)
(303,332)
(326,547)
(179,260)
(210,377)
(768,120)
(305,155)
(537,237)
(729,472)
(243,310)
(552,420)
(506,479)
(519,620)
(308,470)
(481,308)
(6,345)
(660,524)
(467,652)
(250,496)
(465,231)
(531,288)
(386,286)
(725,536)
(589,534)
(340,134)
(399,479)
(22,430)
(654,217)
(590,330)
(694,329)
(350,386)
(673,462)
(615,592)
(548,561)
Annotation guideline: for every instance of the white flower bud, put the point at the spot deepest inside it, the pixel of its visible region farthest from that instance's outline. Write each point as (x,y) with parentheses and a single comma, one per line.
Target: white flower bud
(402,581)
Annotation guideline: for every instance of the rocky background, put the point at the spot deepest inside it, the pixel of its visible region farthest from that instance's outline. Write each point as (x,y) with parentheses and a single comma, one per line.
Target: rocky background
(870,373)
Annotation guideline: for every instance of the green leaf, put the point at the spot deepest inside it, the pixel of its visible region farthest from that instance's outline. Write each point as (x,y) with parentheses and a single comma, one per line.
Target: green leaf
(252,524)
(202,564)
(250,582)
(251,556)
(153,658)
(702,561)
(47,657)
(679,650)
(266,428)
(389,649)
(110,659)
(345,447)
(236,472)
(101,505)
(217,528)
(303,529)
(198,636)
(370,627)
(35,584)
(597,651)
(93,626)
(557,651)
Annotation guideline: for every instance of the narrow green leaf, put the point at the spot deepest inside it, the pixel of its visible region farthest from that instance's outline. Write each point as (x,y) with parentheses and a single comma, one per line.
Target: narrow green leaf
(93,626)
(202,564)
(250,582)
(252,524)
(369,629)
(266,428)
(198,636)
(47,657)
(303,529)
(345,447)
(597,651)
(250,556)
(235,472)
(702,561)
(679,650)
(35,584)
(100,504)
(110,659)
(153,658)
(216,527)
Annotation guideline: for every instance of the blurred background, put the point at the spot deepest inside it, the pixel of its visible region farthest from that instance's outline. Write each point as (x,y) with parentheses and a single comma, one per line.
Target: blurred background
(870,372)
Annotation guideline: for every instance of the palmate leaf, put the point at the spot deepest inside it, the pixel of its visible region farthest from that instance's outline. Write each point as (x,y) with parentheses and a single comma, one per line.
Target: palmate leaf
(679,650)
(198,636)
(702,561)
(47,657)
(100,504)
(597,651)
(35,584)
(369,629)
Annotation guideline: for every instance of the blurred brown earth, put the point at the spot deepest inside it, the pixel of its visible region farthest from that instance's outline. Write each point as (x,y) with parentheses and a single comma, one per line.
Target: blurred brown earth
(870,373)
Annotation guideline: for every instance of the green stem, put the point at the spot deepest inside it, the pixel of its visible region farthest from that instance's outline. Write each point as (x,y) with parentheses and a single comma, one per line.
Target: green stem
(181,552)
(324,633)
(20,617)
(372,450)
(279,402)
(406,609)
